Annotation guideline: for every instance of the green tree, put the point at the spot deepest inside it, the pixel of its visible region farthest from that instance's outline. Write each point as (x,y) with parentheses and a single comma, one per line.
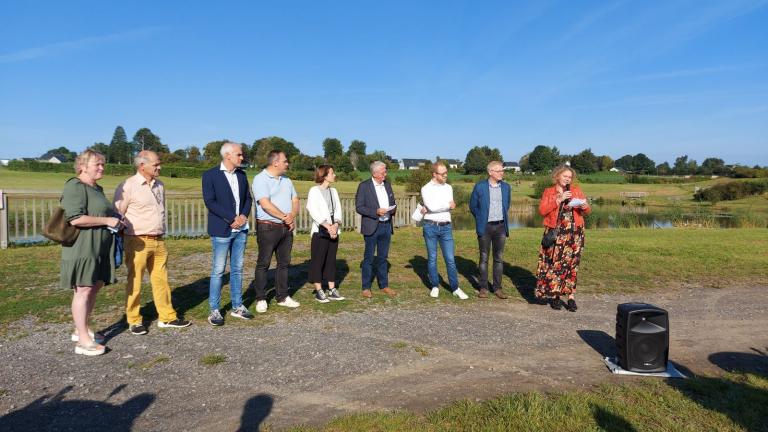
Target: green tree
(543,158)
(144,139)
(193,154)
(64,154)
(418,178)
(262,146)
(356,153)
(683,166)
(342,164)
(643,164)
(584,162)
(604,163)
(476,161)
(663,169)
(357,146)
(713,166)
(625,163)
(332,148)
(211,151)
(120,150)
(101,148)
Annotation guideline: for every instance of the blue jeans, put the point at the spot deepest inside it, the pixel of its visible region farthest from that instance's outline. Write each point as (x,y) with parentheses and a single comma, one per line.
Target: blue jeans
(377,242)
(443,234)
(234,245)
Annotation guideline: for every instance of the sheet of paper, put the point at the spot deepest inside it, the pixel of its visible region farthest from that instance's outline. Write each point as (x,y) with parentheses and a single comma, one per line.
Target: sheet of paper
(575,202)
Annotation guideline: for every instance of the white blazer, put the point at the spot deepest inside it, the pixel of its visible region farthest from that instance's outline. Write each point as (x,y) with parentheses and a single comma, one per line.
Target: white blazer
(318,208)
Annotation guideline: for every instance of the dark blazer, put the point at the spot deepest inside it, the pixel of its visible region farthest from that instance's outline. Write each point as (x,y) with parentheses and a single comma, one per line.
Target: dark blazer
(366,204)
(480,205)
(220,202)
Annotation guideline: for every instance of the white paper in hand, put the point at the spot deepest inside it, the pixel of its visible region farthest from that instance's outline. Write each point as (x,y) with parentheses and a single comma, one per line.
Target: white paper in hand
(576,202)
(417,216)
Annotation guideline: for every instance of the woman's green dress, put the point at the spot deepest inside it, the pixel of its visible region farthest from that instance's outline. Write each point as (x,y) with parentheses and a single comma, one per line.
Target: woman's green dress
(91,258)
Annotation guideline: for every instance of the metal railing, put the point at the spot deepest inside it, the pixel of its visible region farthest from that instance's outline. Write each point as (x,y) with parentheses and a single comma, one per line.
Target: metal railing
(22,216)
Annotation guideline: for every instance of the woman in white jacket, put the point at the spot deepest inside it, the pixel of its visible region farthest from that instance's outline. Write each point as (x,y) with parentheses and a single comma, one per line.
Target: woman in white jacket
(324,208)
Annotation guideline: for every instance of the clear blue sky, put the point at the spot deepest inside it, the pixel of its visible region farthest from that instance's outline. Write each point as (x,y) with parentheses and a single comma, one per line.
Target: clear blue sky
(413,78)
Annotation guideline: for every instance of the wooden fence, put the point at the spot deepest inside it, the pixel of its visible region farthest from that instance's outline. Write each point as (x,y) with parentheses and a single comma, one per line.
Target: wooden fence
(22,216)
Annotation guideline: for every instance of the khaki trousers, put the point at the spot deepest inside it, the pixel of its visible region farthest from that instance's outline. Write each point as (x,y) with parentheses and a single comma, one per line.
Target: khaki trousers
(146,252)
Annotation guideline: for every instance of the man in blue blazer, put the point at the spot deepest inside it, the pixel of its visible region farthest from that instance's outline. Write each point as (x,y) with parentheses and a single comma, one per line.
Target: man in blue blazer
(489,205)
(375,202)
(228,198)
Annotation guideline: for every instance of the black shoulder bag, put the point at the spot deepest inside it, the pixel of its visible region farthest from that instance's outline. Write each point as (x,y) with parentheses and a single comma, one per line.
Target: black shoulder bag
(550,237)
(323,231)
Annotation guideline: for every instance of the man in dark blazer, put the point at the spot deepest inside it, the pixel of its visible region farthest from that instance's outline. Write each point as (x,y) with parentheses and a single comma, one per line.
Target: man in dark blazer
(489,204)
(375,202)
(228,198)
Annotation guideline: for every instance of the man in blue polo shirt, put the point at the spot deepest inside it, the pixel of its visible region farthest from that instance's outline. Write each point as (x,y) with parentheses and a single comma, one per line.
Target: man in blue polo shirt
(489,205)
(277,205)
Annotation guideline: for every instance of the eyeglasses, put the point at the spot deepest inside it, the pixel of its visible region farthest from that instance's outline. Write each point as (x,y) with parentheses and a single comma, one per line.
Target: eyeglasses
(497,170)
(442,173)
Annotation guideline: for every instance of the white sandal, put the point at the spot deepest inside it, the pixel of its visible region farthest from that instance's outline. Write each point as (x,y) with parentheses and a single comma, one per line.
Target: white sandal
(90,350)
(96,337)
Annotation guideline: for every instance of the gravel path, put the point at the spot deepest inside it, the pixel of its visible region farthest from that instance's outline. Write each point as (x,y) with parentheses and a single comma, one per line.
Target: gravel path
(309,370)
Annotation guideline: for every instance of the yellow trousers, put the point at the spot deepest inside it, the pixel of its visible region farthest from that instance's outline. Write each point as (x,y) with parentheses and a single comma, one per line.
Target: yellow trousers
(145,252)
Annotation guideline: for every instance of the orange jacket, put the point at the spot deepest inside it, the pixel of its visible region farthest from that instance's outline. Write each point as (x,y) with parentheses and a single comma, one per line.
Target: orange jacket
(548,206)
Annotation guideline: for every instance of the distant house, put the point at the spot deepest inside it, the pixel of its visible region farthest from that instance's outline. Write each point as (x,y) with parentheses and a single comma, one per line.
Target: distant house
(614,169)
(452,163)
(511,166)
(4,162)
(52,157)
(412,164)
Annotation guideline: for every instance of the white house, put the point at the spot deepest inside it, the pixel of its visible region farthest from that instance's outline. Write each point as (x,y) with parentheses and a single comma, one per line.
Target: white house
(511,166)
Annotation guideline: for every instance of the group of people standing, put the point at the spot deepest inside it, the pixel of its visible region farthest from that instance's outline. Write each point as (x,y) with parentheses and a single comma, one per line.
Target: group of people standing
(138,210)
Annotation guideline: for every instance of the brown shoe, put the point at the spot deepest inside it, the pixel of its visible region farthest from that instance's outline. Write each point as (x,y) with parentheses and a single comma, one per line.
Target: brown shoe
(483,293)
(389,291)
(500,294)
(367,293)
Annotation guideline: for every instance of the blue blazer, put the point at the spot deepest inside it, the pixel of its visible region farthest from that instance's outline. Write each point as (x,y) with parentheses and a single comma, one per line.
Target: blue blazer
(480,204)
(366,204)
(220,202)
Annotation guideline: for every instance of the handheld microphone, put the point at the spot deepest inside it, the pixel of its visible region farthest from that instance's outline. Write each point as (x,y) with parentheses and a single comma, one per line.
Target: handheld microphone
(567,189)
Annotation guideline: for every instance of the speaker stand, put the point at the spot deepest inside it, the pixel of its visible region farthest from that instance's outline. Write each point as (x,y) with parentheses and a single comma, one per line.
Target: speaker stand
(671,372)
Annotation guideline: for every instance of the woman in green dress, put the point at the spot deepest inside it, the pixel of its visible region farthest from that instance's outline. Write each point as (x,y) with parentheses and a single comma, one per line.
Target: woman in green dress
(89,263)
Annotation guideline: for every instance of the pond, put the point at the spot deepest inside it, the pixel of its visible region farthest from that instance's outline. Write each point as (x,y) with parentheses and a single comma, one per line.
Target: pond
(615,216)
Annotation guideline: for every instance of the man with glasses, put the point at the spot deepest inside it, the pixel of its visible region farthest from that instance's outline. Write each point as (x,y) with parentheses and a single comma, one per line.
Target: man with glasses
(141,201)
(437,196)
(228,199)
(277,205)
(489,205)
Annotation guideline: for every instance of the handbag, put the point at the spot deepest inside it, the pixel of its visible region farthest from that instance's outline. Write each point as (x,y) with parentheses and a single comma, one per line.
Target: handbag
(322,231)
(550,237)
(58,228)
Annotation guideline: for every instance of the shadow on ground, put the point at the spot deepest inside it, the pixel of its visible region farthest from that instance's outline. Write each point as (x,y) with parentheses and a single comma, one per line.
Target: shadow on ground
(255,411)
(54,413)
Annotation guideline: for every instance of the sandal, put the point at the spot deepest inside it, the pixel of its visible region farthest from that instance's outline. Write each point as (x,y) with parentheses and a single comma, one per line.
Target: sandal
(96,337)
(93,349)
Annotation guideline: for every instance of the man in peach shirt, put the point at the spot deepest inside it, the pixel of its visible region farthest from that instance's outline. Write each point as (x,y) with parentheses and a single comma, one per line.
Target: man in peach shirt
(141,201)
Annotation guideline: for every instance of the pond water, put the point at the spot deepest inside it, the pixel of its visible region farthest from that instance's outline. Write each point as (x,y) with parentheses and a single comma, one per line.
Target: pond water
(614,216)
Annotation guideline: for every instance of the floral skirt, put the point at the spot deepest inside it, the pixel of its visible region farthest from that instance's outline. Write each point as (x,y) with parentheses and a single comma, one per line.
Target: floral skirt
(559,265)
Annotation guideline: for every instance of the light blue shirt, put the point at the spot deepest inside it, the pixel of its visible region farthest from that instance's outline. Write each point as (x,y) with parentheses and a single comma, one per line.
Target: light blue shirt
(278,189)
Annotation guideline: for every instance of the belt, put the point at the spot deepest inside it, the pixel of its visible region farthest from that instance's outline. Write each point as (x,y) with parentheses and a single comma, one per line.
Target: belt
(431,222)
(496,222)
(386,221)
(148,236)
(266,222)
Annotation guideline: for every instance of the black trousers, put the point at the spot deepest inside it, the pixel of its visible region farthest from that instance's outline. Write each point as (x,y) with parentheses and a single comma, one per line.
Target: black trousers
(278,240)
(495,236)
(322,263)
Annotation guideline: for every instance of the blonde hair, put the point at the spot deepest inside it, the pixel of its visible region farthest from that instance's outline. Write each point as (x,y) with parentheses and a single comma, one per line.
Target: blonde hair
(83,158)
(561,169)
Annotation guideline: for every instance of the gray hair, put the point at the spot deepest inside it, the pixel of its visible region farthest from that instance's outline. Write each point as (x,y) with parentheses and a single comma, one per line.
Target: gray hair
(227,147)
(142,157)
(375,165)
(492,164)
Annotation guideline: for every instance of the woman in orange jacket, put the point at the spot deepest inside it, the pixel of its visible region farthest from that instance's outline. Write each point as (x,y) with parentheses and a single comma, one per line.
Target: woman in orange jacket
(563,206)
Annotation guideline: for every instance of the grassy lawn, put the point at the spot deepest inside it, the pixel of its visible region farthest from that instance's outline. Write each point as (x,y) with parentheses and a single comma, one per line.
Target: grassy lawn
(734,402)
(648,260)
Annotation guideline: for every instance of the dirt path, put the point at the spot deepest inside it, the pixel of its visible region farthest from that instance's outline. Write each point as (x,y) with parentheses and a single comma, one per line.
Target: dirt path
(309,370)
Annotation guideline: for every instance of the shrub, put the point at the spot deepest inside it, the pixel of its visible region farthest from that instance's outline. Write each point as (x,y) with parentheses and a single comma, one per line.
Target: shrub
(732,190)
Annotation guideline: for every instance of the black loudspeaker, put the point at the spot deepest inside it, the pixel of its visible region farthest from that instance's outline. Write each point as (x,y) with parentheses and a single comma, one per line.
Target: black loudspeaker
(642,337)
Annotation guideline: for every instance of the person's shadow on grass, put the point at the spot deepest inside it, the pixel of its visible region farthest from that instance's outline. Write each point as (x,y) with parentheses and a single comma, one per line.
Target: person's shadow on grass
(52,412)
(419,266)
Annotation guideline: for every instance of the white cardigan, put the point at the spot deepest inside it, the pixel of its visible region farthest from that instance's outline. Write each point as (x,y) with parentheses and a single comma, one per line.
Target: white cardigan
(318,208)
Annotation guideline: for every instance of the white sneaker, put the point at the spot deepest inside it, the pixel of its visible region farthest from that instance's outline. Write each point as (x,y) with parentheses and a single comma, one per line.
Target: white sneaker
(435,292)
(460,294)
(289,302)
(261,306)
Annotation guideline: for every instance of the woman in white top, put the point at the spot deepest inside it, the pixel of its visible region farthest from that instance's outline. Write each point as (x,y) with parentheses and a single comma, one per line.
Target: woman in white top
(324,208)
